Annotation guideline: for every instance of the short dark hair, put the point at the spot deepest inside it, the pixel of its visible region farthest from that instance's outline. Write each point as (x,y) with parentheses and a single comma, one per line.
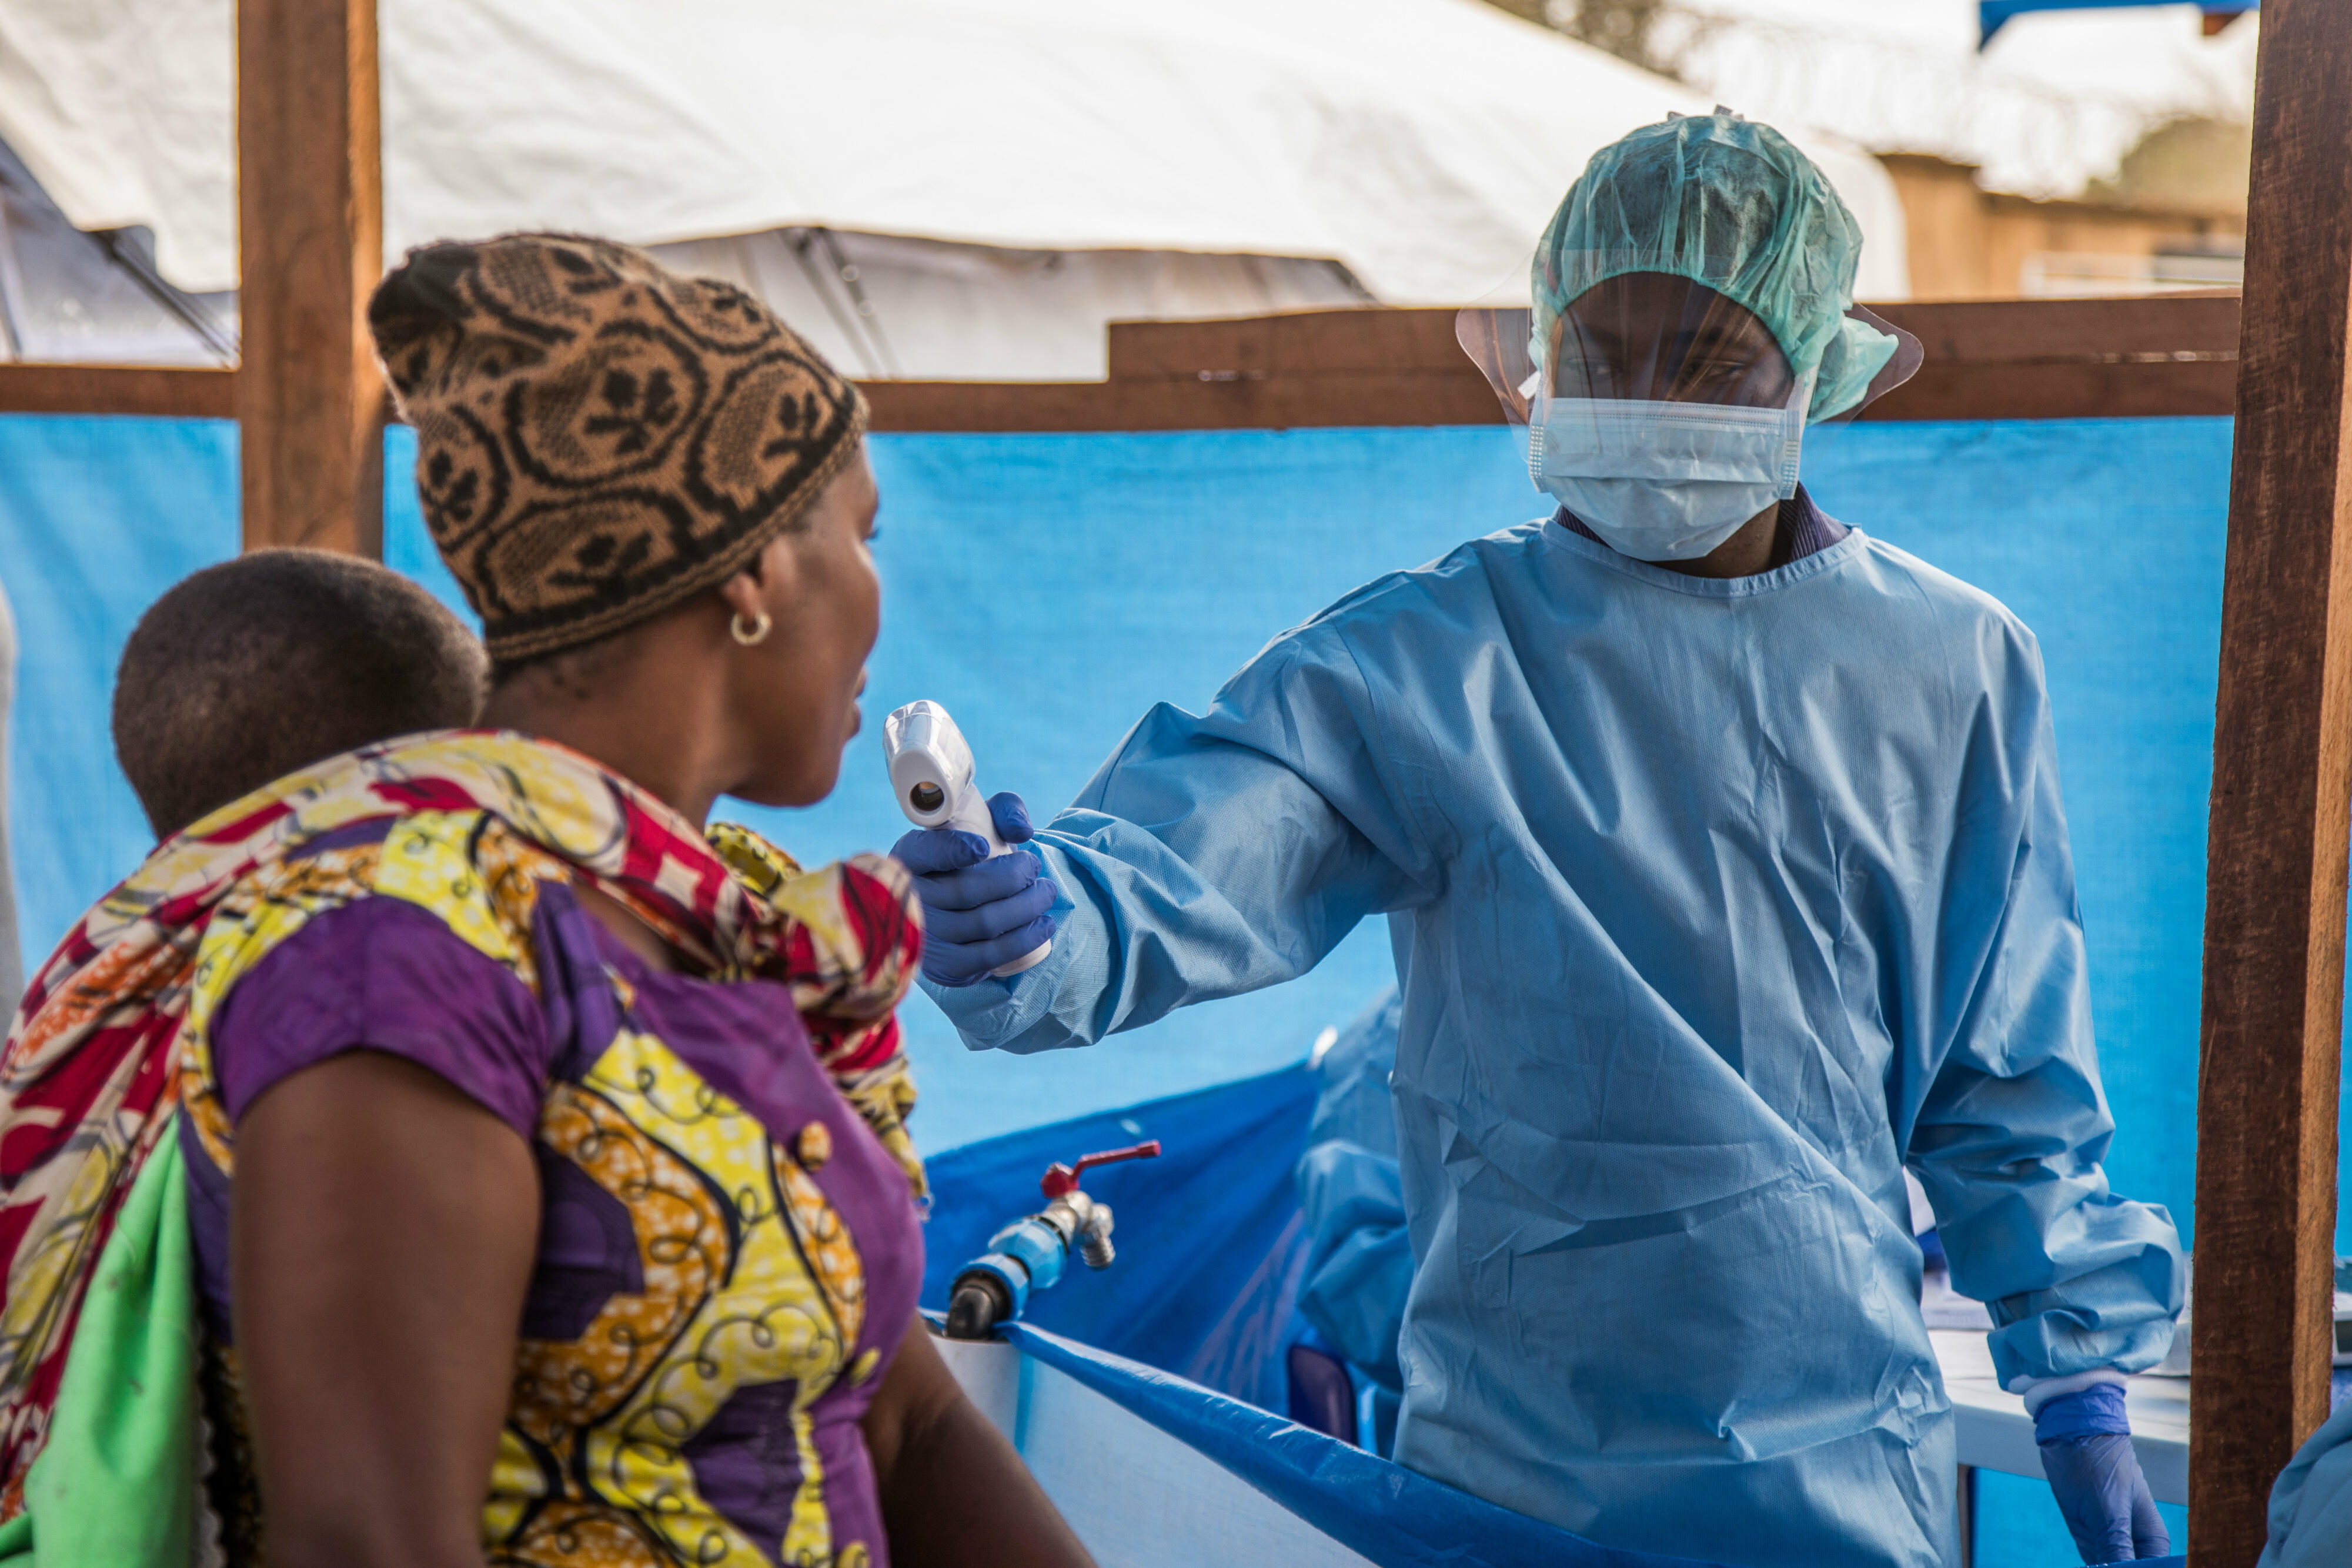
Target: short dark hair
(246,670)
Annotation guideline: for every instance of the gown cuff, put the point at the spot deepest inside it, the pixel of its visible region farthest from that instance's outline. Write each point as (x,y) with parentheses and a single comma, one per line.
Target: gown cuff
(2040,1390)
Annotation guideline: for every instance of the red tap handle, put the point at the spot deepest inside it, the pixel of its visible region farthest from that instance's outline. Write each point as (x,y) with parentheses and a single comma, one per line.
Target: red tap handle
(1063,1178)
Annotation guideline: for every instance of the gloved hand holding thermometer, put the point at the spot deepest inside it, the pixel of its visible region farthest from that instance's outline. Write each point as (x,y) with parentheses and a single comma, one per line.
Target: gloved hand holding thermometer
(984,904)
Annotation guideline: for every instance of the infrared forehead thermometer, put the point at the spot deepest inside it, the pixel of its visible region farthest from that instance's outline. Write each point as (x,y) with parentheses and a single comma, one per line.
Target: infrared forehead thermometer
(932,775)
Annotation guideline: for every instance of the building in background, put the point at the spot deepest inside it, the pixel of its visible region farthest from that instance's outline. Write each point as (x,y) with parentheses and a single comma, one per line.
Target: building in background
(2096,154)
(1969,243)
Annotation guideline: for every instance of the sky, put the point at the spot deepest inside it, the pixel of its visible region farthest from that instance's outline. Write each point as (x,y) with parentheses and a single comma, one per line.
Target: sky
(2054,101)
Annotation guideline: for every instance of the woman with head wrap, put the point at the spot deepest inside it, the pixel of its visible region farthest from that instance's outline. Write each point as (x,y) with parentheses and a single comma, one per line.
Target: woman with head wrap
(547,1194)
(1727,875)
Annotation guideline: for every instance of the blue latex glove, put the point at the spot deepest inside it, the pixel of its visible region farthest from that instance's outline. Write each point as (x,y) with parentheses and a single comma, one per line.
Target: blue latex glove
(978,913)
(2086,1452)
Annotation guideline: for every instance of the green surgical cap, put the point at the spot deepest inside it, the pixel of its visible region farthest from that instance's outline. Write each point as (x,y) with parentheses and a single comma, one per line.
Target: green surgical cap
(1728,203)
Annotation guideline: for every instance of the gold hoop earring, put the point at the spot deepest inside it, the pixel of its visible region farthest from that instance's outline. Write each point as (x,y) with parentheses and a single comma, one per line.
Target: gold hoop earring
(751,635)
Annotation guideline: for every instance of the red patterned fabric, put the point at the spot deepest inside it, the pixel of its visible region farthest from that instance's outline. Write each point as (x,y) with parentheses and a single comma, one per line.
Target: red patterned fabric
(89,1076)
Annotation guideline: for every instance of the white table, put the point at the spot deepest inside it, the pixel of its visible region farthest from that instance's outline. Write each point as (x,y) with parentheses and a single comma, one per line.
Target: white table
(1994,1433)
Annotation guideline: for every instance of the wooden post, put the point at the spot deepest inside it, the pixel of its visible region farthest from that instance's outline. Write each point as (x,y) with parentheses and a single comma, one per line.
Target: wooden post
(2267,1074)
(310,208)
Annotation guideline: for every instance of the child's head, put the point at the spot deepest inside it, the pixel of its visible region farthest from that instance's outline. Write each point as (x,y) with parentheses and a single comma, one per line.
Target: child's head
(246,670)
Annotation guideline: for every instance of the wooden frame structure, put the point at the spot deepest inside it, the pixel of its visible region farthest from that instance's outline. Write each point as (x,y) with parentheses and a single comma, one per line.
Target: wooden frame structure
(310,209)
(2268,1070)
(2053,359)
(2012,359)
(312,405)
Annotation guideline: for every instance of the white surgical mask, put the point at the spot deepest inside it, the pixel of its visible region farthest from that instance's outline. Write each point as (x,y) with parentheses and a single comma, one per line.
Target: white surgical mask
(1665,481)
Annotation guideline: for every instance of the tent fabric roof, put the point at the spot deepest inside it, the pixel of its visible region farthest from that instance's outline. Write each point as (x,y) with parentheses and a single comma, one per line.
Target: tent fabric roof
(1421,144)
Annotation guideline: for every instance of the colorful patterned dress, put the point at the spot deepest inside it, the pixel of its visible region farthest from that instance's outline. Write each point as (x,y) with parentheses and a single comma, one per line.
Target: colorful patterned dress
(728,1252)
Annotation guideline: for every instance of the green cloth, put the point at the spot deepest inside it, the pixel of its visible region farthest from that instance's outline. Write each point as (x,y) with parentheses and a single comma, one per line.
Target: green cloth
(1728,203)
(116,1482)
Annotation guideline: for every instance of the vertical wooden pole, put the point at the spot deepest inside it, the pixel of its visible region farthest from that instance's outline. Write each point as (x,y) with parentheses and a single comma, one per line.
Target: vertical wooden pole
(2267,1074)
(310,208)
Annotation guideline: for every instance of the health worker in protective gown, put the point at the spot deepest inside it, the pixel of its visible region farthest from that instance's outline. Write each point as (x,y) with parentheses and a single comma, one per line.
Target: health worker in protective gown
(1727,875)
(2311,1501)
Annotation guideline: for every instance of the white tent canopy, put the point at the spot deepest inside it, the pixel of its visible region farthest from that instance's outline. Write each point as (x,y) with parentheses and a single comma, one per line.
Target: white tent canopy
(1417,144)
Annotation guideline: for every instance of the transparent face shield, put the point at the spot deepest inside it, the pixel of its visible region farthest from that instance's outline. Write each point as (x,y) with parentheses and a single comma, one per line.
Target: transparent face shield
(1662,414)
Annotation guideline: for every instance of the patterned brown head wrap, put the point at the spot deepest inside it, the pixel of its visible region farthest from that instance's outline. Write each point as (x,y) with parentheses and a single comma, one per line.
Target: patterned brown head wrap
(598,438)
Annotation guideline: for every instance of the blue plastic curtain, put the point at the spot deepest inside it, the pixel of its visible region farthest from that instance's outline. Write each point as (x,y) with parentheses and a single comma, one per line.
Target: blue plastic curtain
(1191,1229)
(1387,1514)
(1049,588)
(1211,1247)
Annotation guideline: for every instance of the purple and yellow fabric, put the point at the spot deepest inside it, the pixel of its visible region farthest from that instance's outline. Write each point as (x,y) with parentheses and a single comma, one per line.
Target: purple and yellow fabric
(728,1253)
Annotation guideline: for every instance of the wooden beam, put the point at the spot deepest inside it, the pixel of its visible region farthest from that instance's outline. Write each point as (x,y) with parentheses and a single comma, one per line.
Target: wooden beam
(311,249)
(167,392)
(1233,398)
(2069,358)
(2274,891)
(2053,359)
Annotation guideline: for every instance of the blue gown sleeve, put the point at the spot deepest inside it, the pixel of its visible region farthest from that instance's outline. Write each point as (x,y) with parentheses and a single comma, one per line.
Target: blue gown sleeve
(1212,854)
(2311,1504)
(2012,1129)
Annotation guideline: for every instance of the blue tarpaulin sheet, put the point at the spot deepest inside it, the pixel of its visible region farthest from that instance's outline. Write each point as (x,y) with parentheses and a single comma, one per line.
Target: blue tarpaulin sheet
(1395,1518)
(1048,589)
(1387,1514)
(97,516)
(1208,1278)
(1192,1227)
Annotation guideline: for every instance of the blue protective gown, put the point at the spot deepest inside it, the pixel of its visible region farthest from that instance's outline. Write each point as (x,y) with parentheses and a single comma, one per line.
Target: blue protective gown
(1713,903)
(1359,1261)
(2310,1502)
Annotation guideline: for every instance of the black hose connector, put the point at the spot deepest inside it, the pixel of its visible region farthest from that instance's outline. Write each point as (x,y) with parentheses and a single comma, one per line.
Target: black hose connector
(979,1304)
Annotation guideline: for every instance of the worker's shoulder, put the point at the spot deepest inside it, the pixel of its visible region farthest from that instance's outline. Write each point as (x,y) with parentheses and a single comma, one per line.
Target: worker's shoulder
(1438,586)
(1959,607)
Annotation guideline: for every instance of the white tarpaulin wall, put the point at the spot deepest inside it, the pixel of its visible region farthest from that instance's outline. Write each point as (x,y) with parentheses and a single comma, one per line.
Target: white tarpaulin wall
(943,311)
(1418,143)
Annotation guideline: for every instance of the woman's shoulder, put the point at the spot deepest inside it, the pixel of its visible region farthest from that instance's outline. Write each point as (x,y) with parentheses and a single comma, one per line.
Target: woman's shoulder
(403,949)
